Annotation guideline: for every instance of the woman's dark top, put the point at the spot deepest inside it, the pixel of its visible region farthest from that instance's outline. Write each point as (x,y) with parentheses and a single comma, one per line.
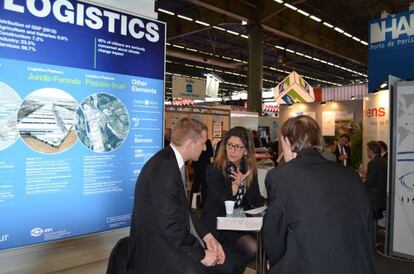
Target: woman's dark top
(219,190)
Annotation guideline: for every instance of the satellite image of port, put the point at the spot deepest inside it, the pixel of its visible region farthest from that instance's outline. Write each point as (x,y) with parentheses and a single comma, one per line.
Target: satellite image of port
(102,122)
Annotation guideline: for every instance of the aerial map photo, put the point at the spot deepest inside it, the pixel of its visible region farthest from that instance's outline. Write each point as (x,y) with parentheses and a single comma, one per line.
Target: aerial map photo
(9,103)
(46,120)
(102,122)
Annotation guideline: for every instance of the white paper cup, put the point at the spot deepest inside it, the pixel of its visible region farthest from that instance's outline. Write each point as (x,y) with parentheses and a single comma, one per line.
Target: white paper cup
(229,207)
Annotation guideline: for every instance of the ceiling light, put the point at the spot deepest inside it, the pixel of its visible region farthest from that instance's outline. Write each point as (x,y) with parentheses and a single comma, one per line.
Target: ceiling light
(279,1)
(290,6)
(303,12)
(279,47)
(244,23)
(328,25)
(232,32)
(347,34)
(219,28)
(185,17)
(383,85)
(353,97)
(315,18)
(356,39)
(166,11)
(202,23)
(364,43)
(244,36)
(338,30)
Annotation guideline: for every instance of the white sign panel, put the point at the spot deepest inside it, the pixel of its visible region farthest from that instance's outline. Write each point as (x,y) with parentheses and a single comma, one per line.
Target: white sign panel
(185,87)
(375,120)
(403,226)
(328,123)
(142,7)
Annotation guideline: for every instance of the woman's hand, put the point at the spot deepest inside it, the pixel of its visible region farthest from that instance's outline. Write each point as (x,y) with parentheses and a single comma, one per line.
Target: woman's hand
(238,178)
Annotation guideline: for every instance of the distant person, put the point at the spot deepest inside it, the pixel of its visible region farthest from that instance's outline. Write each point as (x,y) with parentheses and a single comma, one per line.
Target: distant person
(376,179)
(318,219)
(167,136)
(223,133)
(165,236)
(329,148)
(233,176)
(384,149)
(343,151)
(199,166)
(256,138)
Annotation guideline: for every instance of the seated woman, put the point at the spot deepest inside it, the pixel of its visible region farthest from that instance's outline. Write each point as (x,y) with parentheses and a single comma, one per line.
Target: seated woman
(233,176)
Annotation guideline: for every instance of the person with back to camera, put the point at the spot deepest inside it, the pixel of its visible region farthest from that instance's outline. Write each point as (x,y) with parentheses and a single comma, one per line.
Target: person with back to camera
(165,236)
(233,176)
(318,219)
(376,179)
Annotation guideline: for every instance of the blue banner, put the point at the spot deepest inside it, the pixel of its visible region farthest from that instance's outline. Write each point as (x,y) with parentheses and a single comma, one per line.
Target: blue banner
(391,49)
(81,111)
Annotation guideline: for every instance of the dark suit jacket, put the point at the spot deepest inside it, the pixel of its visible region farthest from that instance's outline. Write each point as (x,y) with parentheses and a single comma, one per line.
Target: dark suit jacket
(219,190)
(318,219)
(376,182)
(348,153)
(160,238)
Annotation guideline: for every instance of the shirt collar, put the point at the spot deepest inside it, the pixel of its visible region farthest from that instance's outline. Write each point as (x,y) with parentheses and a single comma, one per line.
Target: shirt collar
(180,160)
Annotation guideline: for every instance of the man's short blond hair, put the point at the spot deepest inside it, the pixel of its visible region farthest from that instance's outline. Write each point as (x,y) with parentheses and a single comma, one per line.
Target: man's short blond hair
(185,129)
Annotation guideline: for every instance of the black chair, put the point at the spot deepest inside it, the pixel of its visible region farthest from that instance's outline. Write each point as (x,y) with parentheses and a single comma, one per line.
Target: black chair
(117,263)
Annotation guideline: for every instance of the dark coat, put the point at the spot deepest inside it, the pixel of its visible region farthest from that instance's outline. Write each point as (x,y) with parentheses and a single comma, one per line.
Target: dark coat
(376,182)
(219,190)
(160,238)
(318,219)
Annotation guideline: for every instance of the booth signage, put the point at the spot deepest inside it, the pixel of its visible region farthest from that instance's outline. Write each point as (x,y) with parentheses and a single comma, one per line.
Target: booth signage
(391,48)
(81,111)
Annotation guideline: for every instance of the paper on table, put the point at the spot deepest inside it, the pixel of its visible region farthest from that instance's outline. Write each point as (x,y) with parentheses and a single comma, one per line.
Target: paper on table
(239,224)
(257,210)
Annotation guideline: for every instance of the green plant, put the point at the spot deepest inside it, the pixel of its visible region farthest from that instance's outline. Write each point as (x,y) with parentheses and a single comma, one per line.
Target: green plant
(356,145)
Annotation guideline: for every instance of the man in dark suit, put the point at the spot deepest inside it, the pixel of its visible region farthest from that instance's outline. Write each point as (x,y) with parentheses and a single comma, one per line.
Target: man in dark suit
(343,151)
(318,219)
(384,149)
(376,179)
(165,236)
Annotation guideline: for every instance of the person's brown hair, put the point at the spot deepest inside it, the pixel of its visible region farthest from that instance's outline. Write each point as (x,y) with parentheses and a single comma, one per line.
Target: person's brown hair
(302,132)
(374,147)
(221,160)
(185,129)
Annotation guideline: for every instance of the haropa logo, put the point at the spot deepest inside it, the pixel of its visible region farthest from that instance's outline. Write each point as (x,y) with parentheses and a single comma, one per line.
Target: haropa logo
(407,181)
(36,232)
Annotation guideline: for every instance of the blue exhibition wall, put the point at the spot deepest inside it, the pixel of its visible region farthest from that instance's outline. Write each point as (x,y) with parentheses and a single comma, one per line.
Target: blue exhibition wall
(81,111)
(391,48)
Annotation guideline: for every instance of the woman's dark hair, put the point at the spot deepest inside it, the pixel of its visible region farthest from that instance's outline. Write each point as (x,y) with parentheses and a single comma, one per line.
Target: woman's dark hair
(221,160)
(302,132)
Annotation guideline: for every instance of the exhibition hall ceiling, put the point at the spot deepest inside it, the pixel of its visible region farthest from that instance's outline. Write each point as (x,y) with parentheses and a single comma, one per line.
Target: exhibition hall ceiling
(325,41)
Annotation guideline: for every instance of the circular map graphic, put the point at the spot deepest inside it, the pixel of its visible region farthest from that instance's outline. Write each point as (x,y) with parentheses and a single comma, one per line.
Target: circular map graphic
(9,104)
(102,122)
(46,119)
